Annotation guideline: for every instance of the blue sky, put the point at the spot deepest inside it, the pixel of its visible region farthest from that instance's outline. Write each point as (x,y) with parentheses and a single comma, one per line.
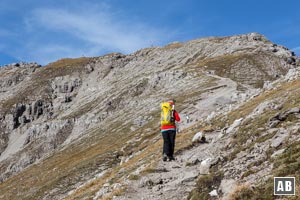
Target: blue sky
(44,31)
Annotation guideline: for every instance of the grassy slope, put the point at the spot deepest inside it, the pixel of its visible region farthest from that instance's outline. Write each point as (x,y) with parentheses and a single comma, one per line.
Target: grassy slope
(64,168)
(288,164)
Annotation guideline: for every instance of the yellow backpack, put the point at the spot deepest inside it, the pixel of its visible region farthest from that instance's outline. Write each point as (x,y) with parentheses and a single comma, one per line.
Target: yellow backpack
(166,114)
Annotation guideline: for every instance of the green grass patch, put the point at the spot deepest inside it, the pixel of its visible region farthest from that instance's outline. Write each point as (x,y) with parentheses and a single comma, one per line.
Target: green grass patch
(288,164)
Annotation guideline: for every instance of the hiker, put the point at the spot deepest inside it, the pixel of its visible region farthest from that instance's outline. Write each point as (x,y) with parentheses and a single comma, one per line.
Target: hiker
(168,129)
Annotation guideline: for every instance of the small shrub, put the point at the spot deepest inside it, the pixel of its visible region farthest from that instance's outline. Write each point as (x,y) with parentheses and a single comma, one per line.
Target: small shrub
(242,192)
(205,184)
(248,173)
(133,177)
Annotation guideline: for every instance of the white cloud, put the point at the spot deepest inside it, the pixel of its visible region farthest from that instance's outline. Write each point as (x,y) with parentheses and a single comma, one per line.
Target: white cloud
(97,29)
(47,53)
(48,32)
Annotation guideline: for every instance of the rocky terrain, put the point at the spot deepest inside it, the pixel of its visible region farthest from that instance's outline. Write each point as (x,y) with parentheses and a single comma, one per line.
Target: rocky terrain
(88,128)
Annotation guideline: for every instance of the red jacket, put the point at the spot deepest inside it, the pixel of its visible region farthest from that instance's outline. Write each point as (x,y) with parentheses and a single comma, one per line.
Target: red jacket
(167,127)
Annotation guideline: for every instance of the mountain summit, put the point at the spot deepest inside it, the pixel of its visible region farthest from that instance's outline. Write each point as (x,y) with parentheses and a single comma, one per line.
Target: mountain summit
(88,128)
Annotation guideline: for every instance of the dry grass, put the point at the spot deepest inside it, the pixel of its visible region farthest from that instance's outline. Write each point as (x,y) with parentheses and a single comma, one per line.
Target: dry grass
(204,185)
(254,128)
(150,155)
(153,150)
(175,45)
(70,62)
(286,165)
(242,192)
(116,192)
(134,177)
(147,155)
(83,109)
(63,168)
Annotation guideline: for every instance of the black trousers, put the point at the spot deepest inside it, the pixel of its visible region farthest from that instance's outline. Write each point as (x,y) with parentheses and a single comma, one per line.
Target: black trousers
(169,142)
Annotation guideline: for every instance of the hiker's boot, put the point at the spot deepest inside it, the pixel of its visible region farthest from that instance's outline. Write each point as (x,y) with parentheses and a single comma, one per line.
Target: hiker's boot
(171,158)
(165,157)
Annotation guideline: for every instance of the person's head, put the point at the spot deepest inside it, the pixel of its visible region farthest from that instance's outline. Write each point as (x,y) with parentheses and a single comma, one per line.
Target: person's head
(172,102)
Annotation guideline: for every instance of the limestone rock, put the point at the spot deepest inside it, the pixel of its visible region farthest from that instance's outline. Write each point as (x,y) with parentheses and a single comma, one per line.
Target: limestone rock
(234,125)
(206,164)
(277,153)
(145,181)
(279,138)
(199,137)
(213,193)
(189,177)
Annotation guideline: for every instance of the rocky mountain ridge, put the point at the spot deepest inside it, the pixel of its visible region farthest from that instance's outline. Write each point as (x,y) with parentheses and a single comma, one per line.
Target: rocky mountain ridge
(84,119)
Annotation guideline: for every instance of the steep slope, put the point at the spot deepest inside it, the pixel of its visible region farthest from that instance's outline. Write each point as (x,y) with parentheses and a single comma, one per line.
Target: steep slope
(239,160)
(261,142)
(73,122)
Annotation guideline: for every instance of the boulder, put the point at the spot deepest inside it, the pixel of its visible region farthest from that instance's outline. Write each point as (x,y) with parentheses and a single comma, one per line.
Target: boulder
(145,181)
(293,110)
(234,125)
(206,164)
(199,137)
(279,138)
(213,193)
(189,177)
(277,153)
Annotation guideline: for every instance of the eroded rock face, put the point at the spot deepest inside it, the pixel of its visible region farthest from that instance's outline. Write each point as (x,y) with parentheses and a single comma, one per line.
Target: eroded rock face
(13,74)
(38,141)
(13,77)
(26,113)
